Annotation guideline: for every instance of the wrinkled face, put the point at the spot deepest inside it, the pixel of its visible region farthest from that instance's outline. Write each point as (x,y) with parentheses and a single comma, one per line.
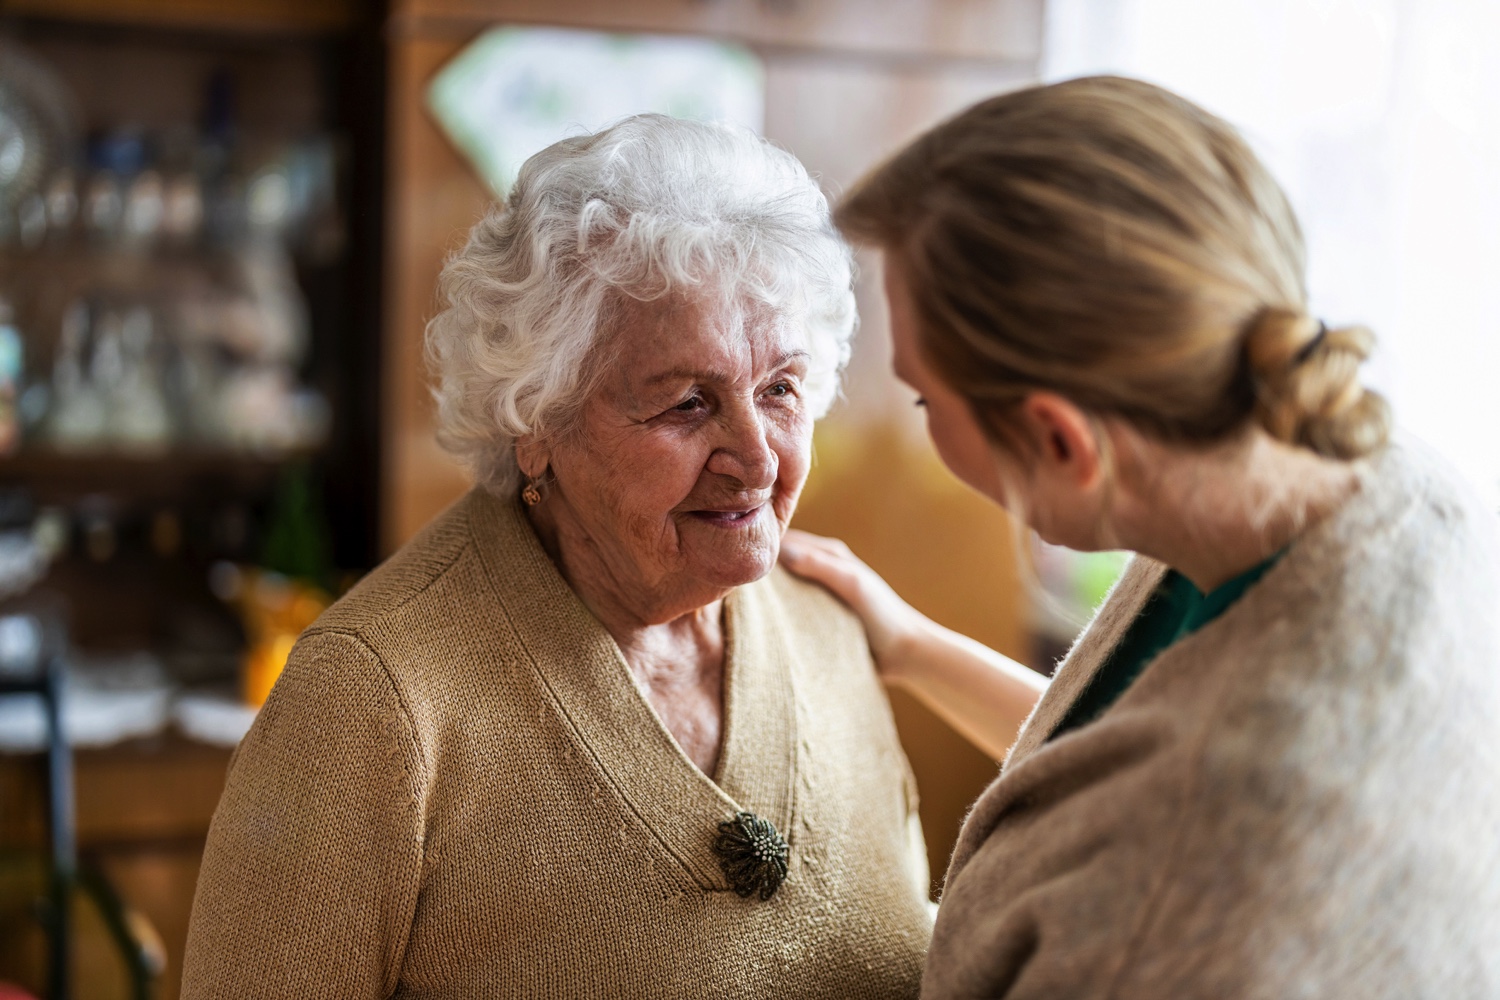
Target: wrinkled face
(687,460)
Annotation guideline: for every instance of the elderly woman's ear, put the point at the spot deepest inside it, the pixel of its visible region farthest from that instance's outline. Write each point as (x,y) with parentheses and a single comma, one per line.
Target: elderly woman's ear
(532,456)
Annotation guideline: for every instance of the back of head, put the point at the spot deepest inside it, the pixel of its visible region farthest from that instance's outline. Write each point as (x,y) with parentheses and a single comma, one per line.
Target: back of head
(1108,240)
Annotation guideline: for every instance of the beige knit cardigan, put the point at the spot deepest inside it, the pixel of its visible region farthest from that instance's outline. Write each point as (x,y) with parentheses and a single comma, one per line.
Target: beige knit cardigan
(456,790)
(1300,800)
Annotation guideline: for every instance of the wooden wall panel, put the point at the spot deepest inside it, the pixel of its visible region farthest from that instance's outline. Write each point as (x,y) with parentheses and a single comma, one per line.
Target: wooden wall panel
(841,118)
(434,197)
(931,31)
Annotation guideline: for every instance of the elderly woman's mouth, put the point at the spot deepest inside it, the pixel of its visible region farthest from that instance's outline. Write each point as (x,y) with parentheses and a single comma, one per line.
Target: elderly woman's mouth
(736,517)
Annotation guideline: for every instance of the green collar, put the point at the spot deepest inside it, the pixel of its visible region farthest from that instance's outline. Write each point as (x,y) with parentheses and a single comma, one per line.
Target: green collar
(1176,609)
(1204,608)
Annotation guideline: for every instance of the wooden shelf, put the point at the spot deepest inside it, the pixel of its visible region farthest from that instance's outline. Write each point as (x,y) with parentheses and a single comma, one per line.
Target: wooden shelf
(58,477)
(160,789)
(295,17)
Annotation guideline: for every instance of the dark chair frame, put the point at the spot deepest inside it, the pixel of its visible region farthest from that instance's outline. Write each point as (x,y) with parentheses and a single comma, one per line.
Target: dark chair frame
(66,876)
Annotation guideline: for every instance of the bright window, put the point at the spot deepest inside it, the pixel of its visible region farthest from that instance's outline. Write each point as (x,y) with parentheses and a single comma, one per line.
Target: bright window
(1382,120)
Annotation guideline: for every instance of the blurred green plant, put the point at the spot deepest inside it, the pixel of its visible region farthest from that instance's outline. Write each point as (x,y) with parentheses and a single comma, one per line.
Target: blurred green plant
(297,541)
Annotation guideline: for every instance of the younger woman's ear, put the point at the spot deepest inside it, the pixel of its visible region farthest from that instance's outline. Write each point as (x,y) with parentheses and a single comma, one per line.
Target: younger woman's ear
(532,456)
(1065,438)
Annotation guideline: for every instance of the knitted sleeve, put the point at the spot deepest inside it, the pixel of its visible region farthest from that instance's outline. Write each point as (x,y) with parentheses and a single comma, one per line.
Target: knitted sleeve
(311,872)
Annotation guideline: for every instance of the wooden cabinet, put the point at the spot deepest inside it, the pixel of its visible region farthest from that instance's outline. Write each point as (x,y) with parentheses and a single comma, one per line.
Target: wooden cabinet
(144,527)
(243,16)
(143,814)
(847,82)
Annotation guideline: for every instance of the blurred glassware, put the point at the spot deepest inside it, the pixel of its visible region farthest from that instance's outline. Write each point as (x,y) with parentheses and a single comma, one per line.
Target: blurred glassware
(20,644)
(24,554)
(103,207)
(77,418)
(38,125)
(269,201)
(31,221)
(50,530)
(141,421)
(12,371)
(182,209)
(101,538)
(202,346)
(23,563)
(62,203)
(113,209)
(144,209)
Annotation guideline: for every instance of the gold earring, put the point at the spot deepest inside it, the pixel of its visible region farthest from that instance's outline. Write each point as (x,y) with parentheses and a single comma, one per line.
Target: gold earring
(531,494)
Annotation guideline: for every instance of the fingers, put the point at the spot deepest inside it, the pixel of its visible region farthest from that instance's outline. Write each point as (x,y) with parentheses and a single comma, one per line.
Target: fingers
(829,562)
(806,557)
(800,541)
(806,560)
(834,567)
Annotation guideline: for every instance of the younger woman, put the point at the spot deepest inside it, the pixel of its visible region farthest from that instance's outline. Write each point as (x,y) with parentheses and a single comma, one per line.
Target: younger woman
(1270,767)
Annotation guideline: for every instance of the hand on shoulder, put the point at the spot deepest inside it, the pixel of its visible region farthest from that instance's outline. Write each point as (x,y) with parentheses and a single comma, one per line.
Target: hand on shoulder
(890,623)
(981,693)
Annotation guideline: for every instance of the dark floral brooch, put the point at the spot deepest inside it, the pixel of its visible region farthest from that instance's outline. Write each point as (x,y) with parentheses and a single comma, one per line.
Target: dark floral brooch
(752,854)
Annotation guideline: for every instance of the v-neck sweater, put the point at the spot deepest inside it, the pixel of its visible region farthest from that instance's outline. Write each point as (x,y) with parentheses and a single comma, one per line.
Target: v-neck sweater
(456,790)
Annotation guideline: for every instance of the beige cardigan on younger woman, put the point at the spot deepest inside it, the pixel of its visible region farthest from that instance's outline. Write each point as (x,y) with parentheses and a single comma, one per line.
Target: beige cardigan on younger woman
(1300,800)
(457,791)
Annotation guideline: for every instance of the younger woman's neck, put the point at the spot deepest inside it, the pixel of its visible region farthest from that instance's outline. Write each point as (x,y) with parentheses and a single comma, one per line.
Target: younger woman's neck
(1215,514)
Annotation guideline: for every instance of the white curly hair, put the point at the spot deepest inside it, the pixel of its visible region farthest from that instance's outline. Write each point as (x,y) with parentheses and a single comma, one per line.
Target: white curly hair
(650,207)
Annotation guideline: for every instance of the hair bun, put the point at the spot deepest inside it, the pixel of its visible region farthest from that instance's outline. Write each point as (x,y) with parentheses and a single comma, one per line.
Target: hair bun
(1307,386)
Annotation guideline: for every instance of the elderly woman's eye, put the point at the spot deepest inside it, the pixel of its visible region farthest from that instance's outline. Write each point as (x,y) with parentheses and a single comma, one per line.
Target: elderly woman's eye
(689,405)
(780,389)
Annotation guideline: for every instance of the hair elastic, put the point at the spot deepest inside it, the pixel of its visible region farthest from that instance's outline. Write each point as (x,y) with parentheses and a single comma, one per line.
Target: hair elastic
(1312,345)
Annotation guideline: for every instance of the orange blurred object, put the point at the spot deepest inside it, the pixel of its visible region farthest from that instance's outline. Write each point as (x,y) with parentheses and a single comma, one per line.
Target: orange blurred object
(275,611)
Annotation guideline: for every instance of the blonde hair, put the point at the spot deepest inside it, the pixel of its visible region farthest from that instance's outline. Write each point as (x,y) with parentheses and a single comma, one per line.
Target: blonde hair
(1110,241)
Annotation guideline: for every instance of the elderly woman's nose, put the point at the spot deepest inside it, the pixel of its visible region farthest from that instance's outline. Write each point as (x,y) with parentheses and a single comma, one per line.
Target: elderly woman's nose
(745,453)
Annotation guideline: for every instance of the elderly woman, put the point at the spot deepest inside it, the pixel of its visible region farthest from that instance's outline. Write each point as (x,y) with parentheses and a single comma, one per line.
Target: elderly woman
(579,737)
